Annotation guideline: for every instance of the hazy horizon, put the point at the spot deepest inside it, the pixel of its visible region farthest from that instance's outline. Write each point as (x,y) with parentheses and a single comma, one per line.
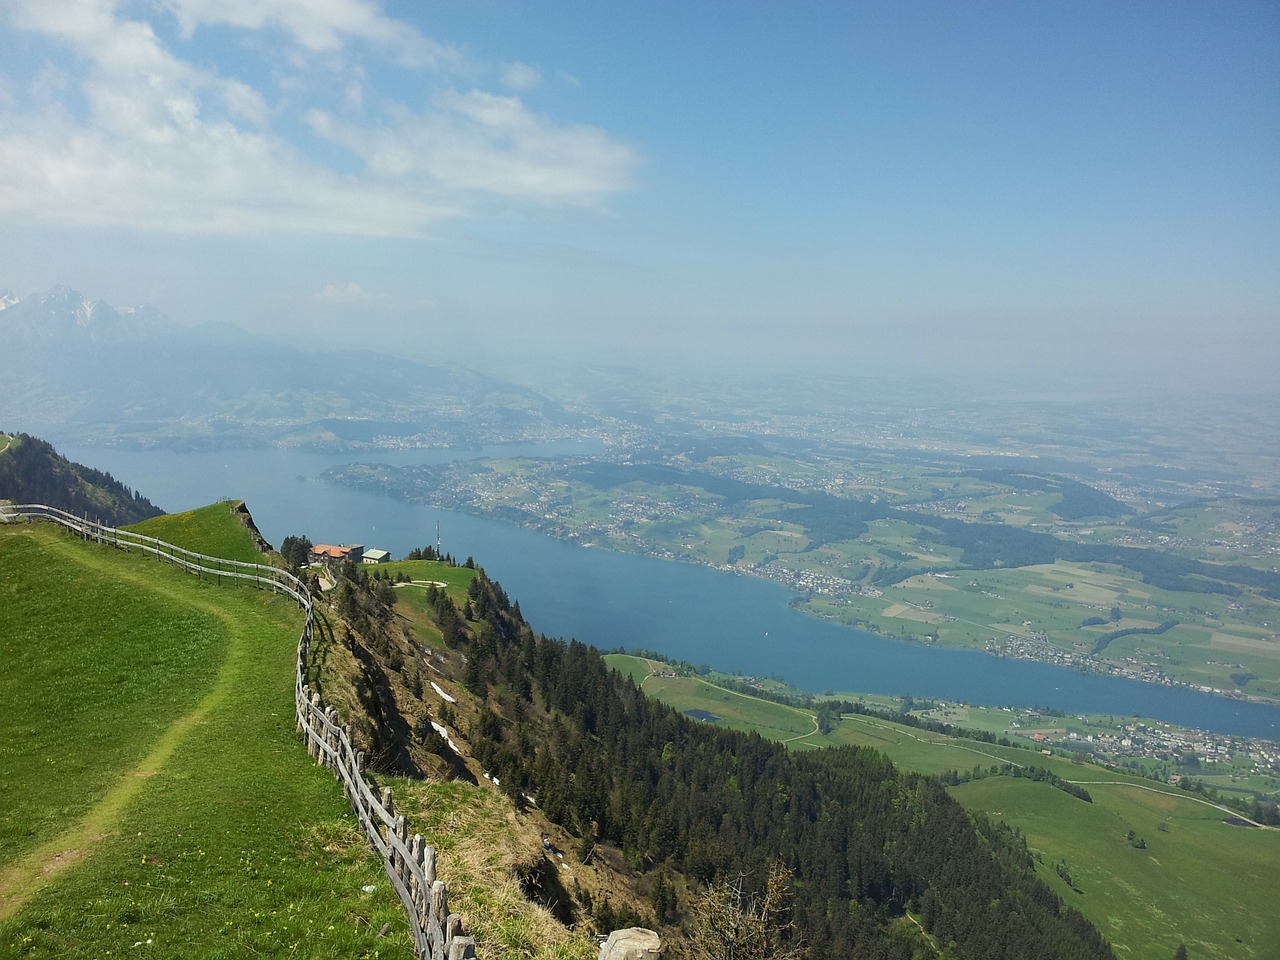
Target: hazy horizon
(1083,194)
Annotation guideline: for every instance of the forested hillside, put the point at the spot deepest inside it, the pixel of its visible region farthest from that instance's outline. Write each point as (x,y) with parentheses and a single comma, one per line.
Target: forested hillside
(31,471)
(685,803)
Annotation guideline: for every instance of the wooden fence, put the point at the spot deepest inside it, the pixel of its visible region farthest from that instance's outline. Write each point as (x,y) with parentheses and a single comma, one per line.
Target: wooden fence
(409,863)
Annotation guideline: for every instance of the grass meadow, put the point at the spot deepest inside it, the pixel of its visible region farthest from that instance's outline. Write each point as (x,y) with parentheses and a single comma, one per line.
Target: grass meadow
(412,596)
(155,794)
(776,721)
(205,530)
(1196,881)
(734,710)
(457,579)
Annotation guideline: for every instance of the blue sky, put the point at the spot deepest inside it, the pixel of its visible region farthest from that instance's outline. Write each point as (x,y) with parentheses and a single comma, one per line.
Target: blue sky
(1078,188)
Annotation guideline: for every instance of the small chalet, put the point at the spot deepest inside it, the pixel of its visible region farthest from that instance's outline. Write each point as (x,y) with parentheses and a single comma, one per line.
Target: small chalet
(376,556)
(327,553)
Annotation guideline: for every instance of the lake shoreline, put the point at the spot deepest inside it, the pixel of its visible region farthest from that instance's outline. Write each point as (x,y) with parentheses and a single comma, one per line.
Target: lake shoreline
(1084,668)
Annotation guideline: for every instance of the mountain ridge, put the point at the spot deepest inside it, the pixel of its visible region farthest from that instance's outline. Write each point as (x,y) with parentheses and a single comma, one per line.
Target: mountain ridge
(89,371)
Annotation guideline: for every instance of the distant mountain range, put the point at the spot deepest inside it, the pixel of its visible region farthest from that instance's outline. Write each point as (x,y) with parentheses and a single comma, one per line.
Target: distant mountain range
(89,371)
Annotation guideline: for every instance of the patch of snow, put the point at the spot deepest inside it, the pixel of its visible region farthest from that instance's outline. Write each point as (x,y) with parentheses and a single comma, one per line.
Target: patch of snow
(440,729)
(436,687)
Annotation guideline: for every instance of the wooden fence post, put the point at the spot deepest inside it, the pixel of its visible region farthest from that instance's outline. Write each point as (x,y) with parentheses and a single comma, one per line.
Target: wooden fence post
(388,804)
(304,717)
(452,928)
(462,948)
(417,847)
(330,738)
(439,902)
(401,831)
(416,888)
(421,909)
(315,736)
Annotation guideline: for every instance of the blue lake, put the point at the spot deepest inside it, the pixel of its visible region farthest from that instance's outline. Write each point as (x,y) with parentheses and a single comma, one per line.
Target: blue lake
(617,600)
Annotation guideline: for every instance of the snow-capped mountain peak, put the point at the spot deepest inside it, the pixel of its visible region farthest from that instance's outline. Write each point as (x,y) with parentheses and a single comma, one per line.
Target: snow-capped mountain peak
(61,311)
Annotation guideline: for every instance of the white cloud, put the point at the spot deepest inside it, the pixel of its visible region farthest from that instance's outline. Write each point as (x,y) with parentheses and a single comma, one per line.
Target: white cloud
(353,97)
(163,144)
(245,103)
(319,26)
(219,180)
(48,86)
(568,79)
(346,294)
(480,143)
(521,76)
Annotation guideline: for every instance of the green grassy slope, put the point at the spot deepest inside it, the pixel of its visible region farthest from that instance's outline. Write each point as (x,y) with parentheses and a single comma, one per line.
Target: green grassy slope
(179,811)
(213,530)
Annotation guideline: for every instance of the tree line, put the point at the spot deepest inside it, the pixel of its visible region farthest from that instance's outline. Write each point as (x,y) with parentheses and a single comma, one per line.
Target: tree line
(863,842)
(31,471)
(1101,643)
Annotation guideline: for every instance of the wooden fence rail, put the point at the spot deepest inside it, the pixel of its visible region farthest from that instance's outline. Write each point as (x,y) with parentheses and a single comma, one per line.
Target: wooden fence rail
(409,863)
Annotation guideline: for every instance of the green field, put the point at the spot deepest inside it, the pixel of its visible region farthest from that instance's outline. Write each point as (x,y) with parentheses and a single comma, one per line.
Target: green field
(422,574)
(153,792)
(427,571)
(736,711)
(1197,880)
(1218,638)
